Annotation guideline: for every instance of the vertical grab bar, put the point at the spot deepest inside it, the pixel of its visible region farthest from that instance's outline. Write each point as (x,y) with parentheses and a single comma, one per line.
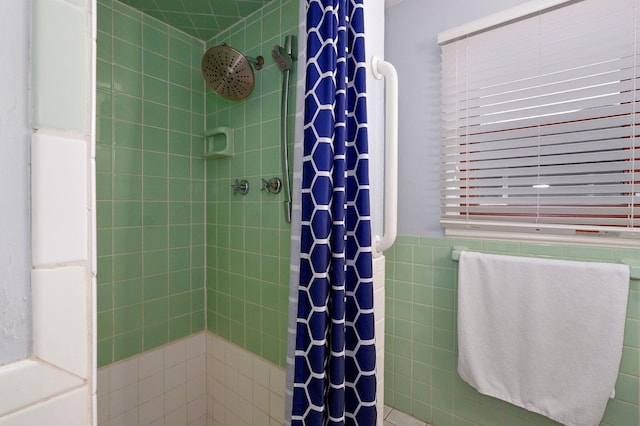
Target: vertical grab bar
(382,69)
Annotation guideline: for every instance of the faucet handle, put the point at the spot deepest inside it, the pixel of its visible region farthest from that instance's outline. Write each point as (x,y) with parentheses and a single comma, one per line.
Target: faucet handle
(240,187)
(273,185)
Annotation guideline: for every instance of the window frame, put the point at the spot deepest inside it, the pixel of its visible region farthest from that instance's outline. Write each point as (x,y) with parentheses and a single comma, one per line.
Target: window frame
(525,230)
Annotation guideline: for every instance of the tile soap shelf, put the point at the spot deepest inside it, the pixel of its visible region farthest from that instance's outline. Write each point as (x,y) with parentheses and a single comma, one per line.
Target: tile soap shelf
(219,143)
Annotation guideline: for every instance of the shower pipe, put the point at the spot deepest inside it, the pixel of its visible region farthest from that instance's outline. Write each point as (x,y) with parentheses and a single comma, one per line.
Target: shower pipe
(382,69)
(284,57)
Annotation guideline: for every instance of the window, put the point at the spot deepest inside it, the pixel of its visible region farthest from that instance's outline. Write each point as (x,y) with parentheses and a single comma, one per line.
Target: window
(539,123)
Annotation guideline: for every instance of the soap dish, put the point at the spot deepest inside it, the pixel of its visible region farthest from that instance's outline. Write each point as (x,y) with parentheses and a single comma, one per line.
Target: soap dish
(219,143)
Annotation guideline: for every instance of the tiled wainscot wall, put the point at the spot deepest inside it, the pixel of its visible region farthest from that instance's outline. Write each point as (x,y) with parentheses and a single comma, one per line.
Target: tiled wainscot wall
(196,381)
(421,339)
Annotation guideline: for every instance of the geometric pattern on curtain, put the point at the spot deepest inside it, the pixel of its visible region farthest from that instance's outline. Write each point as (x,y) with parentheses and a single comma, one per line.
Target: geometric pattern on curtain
(334,363)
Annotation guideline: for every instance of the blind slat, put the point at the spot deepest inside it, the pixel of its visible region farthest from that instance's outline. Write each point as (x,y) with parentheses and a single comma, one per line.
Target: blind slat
(559,180)
(471,189)
(596,129)
(537,93)
(595,140)
(559,109)
(509,72)
(623,167)
(592,118)
(607,224)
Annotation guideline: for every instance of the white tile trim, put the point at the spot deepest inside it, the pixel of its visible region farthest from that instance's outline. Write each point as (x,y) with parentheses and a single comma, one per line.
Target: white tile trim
(28,382)
(59,206)
(60,311)
(68,408)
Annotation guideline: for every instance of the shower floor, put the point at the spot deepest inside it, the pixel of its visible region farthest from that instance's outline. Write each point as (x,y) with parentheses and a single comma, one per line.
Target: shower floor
(393,417)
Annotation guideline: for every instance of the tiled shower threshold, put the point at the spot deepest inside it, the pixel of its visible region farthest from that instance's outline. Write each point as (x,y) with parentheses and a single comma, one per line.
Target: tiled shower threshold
(393,417)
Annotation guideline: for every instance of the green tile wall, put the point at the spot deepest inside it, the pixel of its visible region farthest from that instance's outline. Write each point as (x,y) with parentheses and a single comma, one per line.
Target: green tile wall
(421,340)
(150,183)
(202,19)
(247,236)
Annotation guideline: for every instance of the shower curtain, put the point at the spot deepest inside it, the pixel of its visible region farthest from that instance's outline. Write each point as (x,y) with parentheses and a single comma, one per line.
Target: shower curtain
(331,360)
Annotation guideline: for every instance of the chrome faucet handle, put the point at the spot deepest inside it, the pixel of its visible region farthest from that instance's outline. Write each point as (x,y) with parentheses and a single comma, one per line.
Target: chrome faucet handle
(240,187)
(273,185)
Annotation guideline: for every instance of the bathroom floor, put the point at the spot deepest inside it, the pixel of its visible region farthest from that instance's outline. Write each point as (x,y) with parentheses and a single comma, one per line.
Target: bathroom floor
(394,417)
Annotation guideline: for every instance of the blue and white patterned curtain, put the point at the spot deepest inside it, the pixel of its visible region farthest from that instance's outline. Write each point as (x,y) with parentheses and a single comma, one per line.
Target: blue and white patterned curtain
(334,364)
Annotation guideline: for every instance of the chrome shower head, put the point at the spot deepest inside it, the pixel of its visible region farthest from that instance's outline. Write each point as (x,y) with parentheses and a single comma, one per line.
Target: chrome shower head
(284,56)
(228,72)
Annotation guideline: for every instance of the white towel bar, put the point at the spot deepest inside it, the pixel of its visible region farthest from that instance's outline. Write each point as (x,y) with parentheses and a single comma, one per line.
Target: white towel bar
(634,264)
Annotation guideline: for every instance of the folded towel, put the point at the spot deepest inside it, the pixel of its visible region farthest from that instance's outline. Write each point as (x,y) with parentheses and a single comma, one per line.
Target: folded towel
(543,334)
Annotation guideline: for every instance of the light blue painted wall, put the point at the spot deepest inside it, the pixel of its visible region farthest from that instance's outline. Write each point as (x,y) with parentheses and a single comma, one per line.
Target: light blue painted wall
(412,27)
(15,135)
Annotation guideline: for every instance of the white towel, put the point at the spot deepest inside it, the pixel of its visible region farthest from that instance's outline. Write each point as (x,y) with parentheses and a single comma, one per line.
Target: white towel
(543,334)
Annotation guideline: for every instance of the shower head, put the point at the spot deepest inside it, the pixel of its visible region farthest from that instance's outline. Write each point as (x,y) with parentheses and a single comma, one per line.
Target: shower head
(228,72)
(284,56)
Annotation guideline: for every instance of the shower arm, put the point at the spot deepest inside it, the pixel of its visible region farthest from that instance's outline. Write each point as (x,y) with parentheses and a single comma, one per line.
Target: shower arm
(382,69)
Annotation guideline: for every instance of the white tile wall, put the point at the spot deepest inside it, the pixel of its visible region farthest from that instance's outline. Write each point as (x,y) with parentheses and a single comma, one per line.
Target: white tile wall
(202,380)
(242,388)
(164,386)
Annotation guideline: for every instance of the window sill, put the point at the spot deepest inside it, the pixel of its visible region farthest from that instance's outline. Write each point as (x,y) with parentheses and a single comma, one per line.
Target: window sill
(532,233)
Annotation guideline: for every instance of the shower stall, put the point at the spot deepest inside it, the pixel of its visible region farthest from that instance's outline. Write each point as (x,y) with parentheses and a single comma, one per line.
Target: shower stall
(193,257)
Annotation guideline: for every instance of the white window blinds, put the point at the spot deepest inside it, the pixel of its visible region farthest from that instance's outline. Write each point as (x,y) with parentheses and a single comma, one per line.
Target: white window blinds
(539,121)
